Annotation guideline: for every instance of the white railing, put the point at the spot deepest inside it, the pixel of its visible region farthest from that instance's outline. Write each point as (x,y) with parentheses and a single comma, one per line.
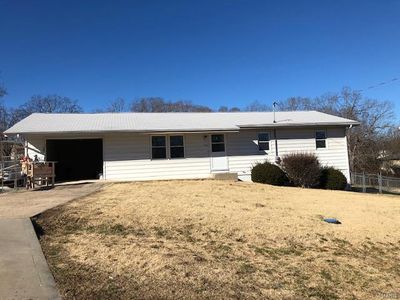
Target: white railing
(375,182)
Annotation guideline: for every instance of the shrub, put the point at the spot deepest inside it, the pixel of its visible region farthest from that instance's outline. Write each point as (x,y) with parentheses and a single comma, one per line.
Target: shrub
(332,179)
(269,174)
(303,169)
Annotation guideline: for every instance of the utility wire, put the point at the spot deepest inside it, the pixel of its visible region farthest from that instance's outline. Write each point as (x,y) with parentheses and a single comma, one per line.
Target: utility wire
(383,83)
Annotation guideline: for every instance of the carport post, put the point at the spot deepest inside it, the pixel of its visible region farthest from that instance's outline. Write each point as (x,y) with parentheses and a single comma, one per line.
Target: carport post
(53,173)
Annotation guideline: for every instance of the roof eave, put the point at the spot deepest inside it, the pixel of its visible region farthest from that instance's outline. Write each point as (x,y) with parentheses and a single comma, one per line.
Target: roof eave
(276,125)
(157,131)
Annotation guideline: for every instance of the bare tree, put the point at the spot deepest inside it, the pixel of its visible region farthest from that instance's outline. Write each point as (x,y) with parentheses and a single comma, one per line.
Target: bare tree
(297,103)
(44,104)
(364,141)
(257,106)
(234,109)
(157,104)
(3,91)
(4,113)
(390,156)
(118,105)
(228,109)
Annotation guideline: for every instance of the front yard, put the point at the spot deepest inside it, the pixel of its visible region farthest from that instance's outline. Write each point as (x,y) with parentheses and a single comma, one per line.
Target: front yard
(215,239)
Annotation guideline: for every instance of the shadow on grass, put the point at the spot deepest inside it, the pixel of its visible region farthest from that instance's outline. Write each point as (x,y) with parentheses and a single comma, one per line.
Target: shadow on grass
(37,227)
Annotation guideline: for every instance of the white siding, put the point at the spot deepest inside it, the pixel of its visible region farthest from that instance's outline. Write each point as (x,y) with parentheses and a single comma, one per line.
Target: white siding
(127,157)
(243,151)
(36,146)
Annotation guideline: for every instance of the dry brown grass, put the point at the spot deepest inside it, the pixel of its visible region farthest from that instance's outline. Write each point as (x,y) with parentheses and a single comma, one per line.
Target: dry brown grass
(214,239)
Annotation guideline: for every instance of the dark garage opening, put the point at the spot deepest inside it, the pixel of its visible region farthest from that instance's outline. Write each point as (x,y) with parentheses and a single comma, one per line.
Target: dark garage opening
(76,159)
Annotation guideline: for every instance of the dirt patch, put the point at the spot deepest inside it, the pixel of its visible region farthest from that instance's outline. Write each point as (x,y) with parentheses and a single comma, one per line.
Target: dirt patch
(212,239)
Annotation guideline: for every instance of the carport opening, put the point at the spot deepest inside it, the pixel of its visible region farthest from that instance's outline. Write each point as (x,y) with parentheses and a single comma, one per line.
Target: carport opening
(76,159)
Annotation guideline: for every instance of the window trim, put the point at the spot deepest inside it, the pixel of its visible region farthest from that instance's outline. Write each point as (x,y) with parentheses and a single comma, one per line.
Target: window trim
(317,139)
(264,142)
(167,146)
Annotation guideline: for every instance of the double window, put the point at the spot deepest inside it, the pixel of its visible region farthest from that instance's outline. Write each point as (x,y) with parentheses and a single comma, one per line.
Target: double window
(320,139)
(160,144)
(263,141)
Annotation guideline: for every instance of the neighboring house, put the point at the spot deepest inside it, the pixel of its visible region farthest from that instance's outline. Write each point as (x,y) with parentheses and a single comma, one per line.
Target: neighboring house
(145,146)
(390,163)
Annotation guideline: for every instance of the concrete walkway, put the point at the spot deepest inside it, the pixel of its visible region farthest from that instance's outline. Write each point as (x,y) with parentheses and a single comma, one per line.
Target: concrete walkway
(24,273)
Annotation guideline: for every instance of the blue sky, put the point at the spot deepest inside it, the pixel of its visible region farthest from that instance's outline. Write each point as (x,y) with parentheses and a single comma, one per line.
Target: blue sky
(210,52)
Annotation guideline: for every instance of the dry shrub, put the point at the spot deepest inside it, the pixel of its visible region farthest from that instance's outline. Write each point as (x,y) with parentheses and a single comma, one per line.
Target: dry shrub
(269,174)
(332,179)
(303,169)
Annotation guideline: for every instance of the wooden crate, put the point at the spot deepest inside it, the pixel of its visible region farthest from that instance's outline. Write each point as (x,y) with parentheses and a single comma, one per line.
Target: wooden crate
(41,173)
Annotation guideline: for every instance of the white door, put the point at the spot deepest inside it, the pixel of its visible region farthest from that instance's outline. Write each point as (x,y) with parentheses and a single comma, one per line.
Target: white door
(219,160)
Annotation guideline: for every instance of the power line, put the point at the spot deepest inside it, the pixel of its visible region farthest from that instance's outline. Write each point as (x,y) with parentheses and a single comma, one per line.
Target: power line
(383,83)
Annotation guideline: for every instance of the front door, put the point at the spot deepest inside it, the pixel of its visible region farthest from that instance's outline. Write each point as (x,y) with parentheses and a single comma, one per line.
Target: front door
(219,160)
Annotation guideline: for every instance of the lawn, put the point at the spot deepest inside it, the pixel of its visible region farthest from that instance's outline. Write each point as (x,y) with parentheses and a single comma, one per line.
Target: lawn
(219,239)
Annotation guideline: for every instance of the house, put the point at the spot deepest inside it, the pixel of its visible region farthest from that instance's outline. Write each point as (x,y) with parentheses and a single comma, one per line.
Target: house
(145,146)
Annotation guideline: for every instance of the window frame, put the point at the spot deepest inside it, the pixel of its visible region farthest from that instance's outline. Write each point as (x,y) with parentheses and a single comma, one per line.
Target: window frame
(183,146)
(264,142)
(167,146)
(218,143)
(319,139)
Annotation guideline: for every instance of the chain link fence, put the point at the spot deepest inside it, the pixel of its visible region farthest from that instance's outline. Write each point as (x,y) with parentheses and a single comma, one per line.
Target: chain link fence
(375,183)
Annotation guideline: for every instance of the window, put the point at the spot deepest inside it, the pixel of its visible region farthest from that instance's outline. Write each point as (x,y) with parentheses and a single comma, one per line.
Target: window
(217,143)
(263,141)
(158,147)
(177,149)
(320,139)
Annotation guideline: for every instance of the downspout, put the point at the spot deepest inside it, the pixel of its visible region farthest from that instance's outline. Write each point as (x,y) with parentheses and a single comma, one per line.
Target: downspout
(349,159)
(277,158)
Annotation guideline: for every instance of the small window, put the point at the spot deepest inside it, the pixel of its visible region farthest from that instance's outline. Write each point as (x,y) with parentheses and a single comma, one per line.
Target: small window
(320,139)
(263,141)
(158,147)
(217,143)
(177,149)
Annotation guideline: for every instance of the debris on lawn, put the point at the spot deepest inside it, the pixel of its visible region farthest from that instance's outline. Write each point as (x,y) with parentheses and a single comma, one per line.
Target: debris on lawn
(332,221)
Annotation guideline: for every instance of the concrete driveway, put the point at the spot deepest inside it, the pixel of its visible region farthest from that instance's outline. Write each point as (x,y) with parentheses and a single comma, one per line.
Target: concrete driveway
(26,204)
(24,273)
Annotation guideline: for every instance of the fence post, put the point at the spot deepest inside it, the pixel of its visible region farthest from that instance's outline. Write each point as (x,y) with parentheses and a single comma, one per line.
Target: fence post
(364,188)
(380,182)
(14,171)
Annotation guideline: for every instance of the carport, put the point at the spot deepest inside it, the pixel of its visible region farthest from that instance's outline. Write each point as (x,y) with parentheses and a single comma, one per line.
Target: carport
(76,159)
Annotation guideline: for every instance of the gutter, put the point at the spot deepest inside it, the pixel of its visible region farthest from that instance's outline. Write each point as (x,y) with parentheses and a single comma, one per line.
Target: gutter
(274,125)
(120,131)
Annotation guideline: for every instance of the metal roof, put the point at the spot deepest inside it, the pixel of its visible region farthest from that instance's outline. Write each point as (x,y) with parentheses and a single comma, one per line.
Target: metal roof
(38,123)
